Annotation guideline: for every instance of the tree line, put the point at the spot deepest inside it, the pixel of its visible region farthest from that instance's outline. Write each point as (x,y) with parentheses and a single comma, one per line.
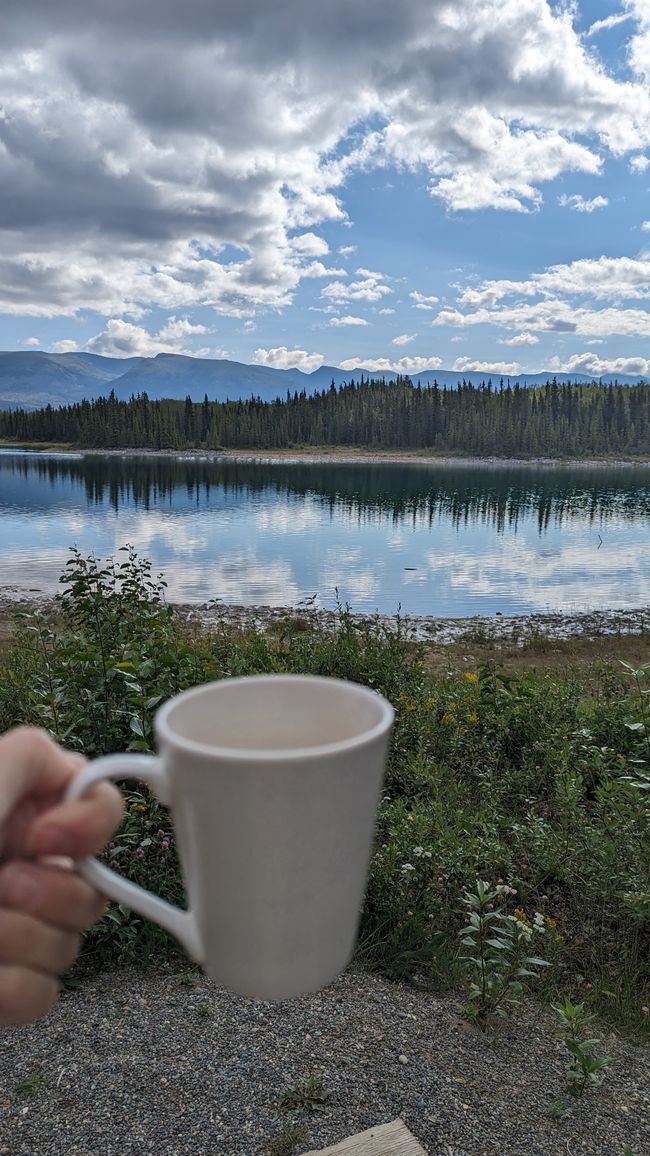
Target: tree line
(553,419)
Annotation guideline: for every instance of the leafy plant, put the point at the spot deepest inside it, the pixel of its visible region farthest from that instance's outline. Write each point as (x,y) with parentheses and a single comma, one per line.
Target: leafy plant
(310,1094)
(499,963)
(584,1070)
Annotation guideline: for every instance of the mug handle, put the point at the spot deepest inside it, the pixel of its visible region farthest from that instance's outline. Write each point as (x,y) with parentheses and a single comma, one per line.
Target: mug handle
(147,769)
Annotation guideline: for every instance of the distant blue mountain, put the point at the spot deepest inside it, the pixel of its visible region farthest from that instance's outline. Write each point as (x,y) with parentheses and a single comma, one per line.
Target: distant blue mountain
(32,379)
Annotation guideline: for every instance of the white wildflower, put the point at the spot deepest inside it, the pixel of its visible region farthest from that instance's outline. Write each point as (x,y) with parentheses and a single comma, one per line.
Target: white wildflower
(426,855)
(417,851)
(406,867)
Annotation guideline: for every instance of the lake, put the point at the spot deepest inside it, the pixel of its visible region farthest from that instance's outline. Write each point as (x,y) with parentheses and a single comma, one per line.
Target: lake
(433,538)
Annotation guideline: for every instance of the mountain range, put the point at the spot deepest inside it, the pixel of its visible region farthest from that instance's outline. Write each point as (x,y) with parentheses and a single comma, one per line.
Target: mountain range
(31,379)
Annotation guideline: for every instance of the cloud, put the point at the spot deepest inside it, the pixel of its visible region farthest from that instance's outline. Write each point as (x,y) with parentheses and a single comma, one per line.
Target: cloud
(422,302)
(347,250)
(283,358)
(639,163)
(580,205)
(592,365)
(348,320)
(521,339)
(385,312)
(370,288)
(310,245)
(172,156)
(469,365)
(405,365)
(645,225)
(609,22)
(555,317)
(404,338)
(122,339)
(66,346)
(31,342)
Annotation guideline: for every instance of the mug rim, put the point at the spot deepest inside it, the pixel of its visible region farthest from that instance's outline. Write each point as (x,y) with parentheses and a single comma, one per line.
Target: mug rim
(166,733)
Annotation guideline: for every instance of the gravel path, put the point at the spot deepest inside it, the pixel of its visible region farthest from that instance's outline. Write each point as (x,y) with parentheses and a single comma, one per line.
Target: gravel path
(132,1064)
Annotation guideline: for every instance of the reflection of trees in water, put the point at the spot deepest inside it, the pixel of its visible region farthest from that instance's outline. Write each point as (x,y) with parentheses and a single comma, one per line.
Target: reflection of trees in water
(497,495)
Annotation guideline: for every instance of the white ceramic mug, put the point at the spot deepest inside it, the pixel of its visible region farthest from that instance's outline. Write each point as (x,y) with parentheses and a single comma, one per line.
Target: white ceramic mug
(273,783)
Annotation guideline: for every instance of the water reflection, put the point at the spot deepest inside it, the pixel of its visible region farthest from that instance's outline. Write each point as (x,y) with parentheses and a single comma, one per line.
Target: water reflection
(435,538)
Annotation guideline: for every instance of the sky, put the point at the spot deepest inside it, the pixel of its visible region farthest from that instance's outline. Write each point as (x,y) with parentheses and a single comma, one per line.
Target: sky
(398,187)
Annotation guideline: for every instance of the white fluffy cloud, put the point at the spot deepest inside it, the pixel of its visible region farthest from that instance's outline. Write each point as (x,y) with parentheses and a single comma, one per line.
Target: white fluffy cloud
(157,154)
(521,339)
(122,339)
(422,302)
(283,358)
(405,365)
(371,288)
(348,319)
(590,363)
(639,163)
(470,365)
(404,338)
(580,204)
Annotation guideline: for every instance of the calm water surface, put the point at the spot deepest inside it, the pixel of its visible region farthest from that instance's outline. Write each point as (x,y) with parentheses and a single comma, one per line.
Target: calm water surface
(441,539)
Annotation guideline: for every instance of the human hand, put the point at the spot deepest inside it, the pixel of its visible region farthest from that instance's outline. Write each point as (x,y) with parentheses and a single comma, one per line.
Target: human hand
(44,905)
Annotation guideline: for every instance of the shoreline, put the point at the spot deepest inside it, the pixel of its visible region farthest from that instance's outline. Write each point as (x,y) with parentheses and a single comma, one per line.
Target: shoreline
(516,630)
(322,455)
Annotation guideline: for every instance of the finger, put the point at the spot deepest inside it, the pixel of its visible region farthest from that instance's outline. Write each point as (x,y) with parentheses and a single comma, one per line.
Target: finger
(30,943)
(79,828)
(29,759)
(25,995)
(51,894)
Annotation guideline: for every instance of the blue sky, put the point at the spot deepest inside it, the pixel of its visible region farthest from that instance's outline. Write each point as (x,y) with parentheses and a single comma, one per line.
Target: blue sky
(460,185)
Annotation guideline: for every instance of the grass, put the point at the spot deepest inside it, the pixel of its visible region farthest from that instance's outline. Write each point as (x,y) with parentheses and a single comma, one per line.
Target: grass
(519,766)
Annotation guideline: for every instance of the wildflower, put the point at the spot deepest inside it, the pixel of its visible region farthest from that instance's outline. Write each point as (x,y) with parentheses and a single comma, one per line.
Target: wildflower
(417,851)
(406,867)
(472,718)
(645,1010)
(524,928)
(426,854)
(430,703)
(139,854)
(447,719)
(470,676)
(137,807)
(539,921)
(550,923)
(559,938)
(165,844)
(520,916)
(160,834)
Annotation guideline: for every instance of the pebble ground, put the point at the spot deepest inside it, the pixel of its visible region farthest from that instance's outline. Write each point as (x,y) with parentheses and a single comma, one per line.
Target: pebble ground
(134,1063)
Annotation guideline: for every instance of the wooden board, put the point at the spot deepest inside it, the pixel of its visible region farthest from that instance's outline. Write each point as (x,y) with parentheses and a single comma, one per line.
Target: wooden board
(392,1139)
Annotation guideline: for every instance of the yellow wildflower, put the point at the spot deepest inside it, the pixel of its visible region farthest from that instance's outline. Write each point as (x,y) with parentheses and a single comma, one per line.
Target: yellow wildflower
(550,923)
(559,939)
(470,676)
(448,719)
(472,718)
(431,702)
(520,914)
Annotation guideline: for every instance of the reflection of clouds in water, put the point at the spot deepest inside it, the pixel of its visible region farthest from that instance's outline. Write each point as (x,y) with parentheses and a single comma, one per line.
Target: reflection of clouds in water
(150,529)
(348,571)
(287,519)
(576,576)
(241,578)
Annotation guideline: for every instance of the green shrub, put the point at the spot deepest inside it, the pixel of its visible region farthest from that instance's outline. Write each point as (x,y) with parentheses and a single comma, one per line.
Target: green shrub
(537,783)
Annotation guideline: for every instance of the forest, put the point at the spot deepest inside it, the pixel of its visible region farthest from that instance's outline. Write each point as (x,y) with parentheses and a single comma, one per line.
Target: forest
(556,420)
